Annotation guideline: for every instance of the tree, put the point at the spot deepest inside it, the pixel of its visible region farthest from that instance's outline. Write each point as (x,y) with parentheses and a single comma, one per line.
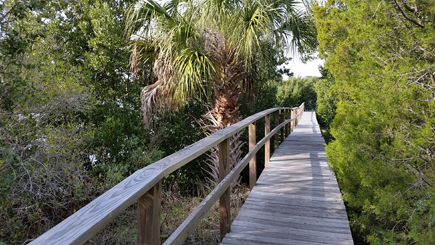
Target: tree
(66,96)
(206,49)
(295,91)
(42,134)
(381,55)
(326,103)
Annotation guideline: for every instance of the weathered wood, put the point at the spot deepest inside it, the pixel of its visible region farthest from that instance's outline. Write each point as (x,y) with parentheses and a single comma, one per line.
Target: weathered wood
(292,124)
(289,113)
(282,132)
(286,116)
(276,136)
(267,145)
(296,199)
(87,221)
(224,201)
(195,217)
(253,161)
(290,233)
(332,225)
(148,231)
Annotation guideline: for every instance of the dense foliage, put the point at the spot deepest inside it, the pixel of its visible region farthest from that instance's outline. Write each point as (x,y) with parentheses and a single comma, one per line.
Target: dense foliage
(70,112)
(325,103)
(294,91)
(381,55)
(70,123)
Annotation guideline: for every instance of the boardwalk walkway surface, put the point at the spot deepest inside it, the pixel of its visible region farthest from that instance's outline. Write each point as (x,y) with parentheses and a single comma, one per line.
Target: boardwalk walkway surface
(296,199)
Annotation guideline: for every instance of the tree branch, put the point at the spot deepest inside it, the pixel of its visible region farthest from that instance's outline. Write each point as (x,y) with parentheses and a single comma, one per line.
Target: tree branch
(417,23)
(8,12)
(431,77)
(414,10)
(424,50)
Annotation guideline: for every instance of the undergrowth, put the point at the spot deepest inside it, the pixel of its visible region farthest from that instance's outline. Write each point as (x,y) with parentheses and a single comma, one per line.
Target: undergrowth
(176,207)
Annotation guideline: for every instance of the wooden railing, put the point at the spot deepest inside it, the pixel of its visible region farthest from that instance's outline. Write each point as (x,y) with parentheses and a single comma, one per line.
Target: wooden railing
(144,186)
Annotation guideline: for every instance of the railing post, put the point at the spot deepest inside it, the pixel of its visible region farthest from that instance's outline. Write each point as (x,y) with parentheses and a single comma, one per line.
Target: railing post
(289,115)
(286,116)
(276,134)
(282,129)
(252,162)
(224,201)
(267,144)
(292,127)
(148,230)
(297,119)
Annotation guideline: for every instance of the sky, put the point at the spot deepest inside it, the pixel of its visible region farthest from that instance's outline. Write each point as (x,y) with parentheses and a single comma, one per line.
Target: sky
(303,70)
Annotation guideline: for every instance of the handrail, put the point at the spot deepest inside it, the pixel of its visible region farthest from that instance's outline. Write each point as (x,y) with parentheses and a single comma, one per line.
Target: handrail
(144,186)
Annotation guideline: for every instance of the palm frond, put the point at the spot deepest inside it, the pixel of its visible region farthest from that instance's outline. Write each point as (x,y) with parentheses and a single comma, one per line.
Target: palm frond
(252,26)
(194,70)
(142,52)
(299,31)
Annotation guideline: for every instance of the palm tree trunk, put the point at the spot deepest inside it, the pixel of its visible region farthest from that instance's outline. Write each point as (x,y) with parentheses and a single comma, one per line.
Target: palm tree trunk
(225,109)
(226,104)
(229,75)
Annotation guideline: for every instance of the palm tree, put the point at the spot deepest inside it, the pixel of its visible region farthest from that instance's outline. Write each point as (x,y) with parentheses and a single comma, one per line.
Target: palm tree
(206,48)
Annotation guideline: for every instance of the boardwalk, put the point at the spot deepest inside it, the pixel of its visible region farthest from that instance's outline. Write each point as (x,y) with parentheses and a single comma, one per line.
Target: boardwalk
(296,199)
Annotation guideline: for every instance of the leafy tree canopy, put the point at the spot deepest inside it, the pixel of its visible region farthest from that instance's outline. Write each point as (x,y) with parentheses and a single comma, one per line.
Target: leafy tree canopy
(381,54)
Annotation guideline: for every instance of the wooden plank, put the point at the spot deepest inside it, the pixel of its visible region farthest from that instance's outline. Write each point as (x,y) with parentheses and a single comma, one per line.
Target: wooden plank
(149,207)
(269,240)
(288,125)
(252,163)
(311,223)
(296,199)
(296,238)
(332,221)
(303,182)
(301,192)
(333,215)
(286,116)
(224,201)
(276,137)
(287,187)
(279,229)
(299,201)
(87,221)
(178,236)
(282,112)
(300,177)
(267,145)
(292,124)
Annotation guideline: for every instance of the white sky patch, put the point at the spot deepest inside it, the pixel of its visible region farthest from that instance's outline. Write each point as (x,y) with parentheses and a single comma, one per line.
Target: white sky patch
(309,69)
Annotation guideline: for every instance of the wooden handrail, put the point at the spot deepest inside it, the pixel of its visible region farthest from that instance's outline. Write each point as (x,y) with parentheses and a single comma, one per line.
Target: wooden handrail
(144,186)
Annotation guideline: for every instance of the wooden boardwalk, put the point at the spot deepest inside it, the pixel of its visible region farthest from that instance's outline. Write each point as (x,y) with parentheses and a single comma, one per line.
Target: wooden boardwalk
(296,199)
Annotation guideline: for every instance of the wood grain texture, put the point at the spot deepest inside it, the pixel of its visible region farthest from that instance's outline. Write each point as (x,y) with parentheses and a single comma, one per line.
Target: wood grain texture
(276,138)
(282,132)
(296,199)
(253,161)
(292,124)
(149,216)
(87,221)
(287,127)
(267,145)
(195,217)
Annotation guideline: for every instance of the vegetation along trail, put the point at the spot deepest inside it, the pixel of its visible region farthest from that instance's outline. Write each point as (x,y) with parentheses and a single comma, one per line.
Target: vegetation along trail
(91,91)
